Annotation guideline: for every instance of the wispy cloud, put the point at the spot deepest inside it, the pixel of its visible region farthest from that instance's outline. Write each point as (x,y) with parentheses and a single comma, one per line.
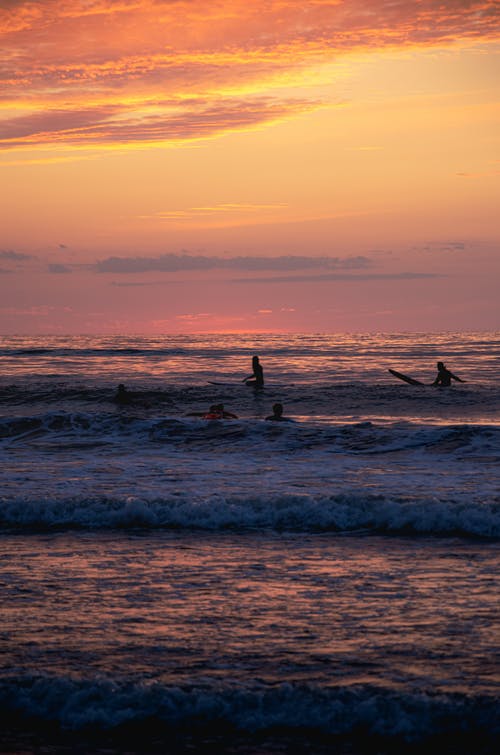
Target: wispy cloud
(43,310)
(194,316)
(440,247)
(179,121)
(108,72)
(141,284)
(216,210)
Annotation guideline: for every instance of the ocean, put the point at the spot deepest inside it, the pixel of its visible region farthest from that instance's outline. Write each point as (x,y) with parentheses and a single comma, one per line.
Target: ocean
(175,584)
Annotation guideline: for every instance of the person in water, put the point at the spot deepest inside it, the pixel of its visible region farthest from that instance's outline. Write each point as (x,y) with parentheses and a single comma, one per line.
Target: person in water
(216,411)
(122,396)
(444,376)
(257,377)
(224,415)
(277,415)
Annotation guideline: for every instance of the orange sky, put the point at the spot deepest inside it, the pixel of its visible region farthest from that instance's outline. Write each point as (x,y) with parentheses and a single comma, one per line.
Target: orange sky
(177,166)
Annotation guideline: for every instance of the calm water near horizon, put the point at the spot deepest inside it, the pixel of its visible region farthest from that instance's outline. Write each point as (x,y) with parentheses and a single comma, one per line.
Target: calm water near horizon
(172,584)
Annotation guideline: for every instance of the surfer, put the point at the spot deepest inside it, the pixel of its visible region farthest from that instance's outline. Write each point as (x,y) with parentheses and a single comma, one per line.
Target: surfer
(122,396)
(216,411)
(224,414)
(277,415)
(257,377)
(444,376)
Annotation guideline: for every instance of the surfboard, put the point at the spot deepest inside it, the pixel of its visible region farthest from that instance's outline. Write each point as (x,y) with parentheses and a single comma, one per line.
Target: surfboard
(213,382)
(406,379)
(270,385)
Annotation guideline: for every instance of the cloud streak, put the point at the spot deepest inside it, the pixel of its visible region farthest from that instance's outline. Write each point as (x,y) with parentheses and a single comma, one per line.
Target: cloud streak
(58,268)
(111,126)
(326,277)
(224,209)
(138,71)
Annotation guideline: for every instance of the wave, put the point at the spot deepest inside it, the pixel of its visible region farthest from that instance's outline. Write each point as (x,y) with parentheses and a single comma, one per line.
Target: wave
(338,398)
(13,395)
(342,513)
(347,438)
(361,710)
(104,352)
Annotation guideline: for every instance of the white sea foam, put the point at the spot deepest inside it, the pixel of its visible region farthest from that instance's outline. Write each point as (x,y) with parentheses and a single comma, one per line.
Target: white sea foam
(108,469)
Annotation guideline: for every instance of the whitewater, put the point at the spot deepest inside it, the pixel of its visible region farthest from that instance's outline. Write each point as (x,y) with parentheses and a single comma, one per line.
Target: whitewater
(327,583)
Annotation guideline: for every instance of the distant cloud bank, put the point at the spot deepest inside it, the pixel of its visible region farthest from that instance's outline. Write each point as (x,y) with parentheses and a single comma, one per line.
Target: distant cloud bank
(173,263)
(8,254)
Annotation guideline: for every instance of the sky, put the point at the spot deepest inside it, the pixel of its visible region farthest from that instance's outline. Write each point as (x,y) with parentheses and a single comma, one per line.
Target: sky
(177,166)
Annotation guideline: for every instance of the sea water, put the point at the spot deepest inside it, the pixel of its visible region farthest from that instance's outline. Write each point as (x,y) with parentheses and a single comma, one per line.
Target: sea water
(325,584)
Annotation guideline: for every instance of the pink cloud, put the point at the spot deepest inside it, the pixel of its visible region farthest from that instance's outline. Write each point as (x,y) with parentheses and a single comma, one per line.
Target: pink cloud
(121,71)
(99,126)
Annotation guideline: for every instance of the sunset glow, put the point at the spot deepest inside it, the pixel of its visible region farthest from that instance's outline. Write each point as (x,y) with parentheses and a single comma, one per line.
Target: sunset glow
(184,166)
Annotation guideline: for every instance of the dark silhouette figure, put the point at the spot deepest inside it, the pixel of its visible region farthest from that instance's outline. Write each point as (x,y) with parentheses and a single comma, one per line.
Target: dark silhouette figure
(257,377)
(444,376)
(277,415)
(122,396)
(216,411)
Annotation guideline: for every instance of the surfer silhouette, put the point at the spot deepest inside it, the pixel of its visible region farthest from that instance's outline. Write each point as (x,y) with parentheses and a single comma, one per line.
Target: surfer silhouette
(444,376)
(216,411)
(225,415)
(122,396)
(257,377)
(277,415)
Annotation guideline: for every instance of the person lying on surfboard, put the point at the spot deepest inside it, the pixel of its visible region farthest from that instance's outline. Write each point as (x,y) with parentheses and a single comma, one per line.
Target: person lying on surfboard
(257,377)
(216,411)
(225,415)
(444,376)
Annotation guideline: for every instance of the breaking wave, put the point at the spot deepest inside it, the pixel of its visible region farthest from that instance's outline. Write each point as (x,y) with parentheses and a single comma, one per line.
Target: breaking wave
(78,705)
(361,437)
(343,513)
